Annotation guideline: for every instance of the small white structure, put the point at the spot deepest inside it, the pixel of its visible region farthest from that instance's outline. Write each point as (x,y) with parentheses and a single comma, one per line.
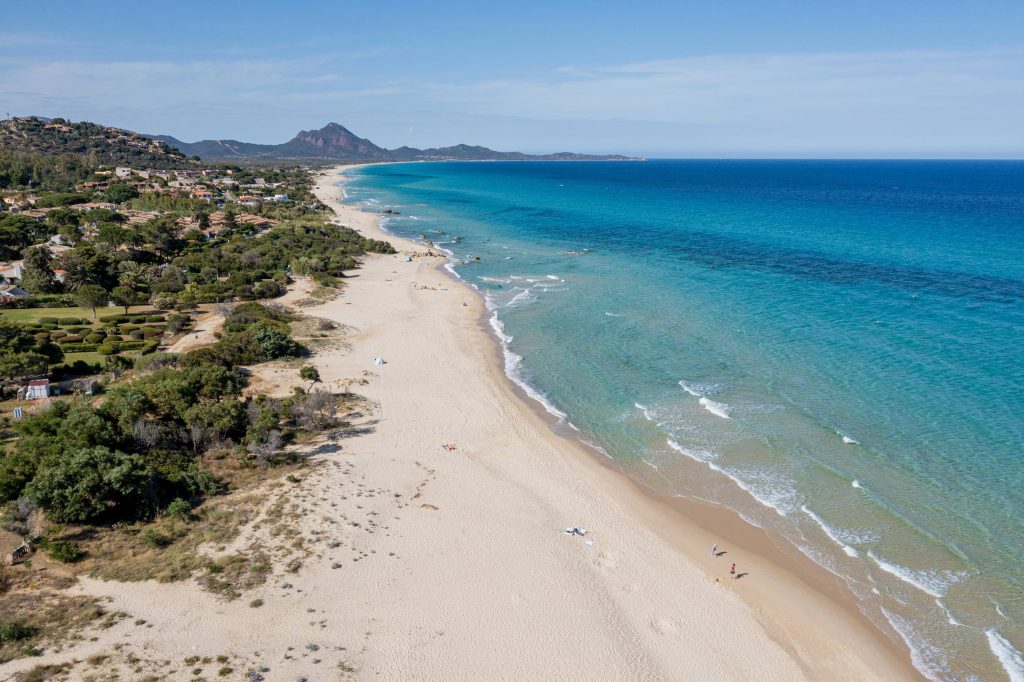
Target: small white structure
(36,389)
(123,172)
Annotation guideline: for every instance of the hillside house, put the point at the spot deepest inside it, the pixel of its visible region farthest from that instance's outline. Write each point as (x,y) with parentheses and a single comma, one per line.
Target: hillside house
(10,272)
(247,200)
(122,172)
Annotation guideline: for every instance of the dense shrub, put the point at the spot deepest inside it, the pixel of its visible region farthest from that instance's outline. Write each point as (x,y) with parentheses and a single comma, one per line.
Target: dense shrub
(64,551)
(109,349)
(180,509)
(58,333)
(68,321)
(70,338)
(154,318)
(155,361)
(85,484)
(82,348)
(16,631)
(47,320)
(95,337)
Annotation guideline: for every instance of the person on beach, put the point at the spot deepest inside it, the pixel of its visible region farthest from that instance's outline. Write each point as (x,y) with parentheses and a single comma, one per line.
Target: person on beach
(732,571)
(714,550)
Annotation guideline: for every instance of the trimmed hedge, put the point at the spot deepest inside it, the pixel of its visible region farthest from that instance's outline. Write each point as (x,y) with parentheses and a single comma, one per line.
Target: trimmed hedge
(70,338)
(48,320)
(94,337)
(67,321)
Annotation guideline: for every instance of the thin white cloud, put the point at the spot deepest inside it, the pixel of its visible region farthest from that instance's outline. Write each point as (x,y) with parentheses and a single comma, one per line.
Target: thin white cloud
(911,99)
(912,102)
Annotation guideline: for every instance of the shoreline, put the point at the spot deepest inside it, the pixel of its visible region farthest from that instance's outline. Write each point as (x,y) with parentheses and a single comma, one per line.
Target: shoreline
(795,585)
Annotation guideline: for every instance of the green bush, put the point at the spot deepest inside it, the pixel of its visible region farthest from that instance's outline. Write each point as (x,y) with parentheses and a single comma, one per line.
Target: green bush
(180,509)
(151,333)
(128,328)
(155,539)
(151,363)
(95,337)
(47,320)
(75,330)
(70,338)
(83,348)
(109,349)
(138,319)
(64,551)
(154,318)
(16,631)
(113,318)
(136,335)
(58,333)
(43,337)
(67,321)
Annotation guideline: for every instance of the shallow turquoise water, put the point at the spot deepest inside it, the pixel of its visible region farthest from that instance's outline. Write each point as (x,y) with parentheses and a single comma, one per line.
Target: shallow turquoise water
(830,347)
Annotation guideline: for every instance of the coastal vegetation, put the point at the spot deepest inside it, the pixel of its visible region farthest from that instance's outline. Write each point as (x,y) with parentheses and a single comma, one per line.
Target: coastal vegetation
(119,457)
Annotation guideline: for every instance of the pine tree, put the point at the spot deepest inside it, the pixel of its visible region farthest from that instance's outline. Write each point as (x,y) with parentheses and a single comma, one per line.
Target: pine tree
(37,277)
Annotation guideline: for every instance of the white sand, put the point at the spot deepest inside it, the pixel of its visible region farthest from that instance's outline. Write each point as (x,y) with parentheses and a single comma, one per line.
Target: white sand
(466,575)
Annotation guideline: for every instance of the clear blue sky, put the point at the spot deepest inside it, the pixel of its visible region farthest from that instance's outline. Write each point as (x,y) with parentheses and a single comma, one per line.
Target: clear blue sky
(861,79)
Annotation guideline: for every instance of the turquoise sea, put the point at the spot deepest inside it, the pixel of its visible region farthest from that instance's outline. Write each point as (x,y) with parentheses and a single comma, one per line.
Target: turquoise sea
(832,348)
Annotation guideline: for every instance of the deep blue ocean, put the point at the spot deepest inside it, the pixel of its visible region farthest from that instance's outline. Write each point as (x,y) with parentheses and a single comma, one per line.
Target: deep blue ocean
(832,348)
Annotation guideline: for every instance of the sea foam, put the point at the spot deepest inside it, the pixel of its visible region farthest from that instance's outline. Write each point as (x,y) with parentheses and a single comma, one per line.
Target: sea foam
(933,582)
(1009,657)
(772,493)
(830,532)
(514,364)
(715,408)
(930,660)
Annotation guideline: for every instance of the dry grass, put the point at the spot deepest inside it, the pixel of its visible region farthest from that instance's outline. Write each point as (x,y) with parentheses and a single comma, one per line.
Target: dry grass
(51,618)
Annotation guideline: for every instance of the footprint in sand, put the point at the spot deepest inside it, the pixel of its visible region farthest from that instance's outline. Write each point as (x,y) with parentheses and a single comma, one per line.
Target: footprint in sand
(607,560)
(665,626)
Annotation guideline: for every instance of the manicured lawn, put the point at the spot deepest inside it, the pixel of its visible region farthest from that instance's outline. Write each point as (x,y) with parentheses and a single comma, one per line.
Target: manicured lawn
(88,357)
(33,314)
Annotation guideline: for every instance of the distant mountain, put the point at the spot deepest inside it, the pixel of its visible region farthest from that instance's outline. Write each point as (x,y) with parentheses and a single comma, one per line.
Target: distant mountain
(334,142)
(97,144)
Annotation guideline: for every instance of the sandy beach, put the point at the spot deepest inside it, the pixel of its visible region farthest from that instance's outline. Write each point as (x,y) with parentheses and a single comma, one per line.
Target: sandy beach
(429,562)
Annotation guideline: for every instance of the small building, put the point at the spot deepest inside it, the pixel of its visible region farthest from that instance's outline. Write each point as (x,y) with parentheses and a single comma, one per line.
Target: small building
(203,194)
(10,273)
(247,200)
(122,172)
(35,389)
